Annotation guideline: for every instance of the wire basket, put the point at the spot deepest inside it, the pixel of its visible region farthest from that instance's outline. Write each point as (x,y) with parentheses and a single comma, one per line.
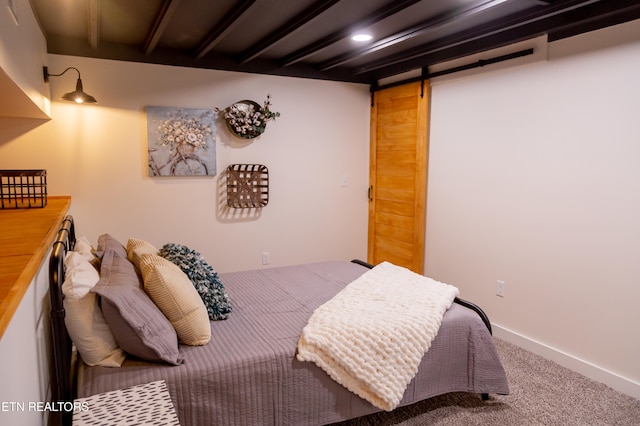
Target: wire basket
(23,189)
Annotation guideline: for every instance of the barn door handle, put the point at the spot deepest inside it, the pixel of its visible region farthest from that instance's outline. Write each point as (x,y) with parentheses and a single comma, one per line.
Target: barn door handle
(370,193)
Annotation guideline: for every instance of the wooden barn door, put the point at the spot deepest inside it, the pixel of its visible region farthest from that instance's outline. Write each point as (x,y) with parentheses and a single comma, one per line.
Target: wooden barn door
(398,176)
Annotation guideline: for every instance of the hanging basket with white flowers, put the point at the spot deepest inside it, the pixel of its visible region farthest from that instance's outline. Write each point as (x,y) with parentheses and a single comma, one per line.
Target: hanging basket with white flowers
(247,119)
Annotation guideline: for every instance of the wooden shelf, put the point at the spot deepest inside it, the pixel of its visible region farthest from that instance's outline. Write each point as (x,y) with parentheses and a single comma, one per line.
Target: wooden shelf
(25,238)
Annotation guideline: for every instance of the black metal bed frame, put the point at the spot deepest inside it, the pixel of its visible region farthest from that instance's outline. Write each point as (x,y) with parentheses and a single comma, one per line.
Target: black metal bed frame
(459,301)
(62,383)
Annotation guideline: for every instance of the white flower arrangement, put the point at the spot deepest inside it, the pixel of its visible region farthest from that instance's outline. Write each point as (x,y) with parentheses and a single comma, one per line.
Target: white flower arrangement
(247,119)
(184,132)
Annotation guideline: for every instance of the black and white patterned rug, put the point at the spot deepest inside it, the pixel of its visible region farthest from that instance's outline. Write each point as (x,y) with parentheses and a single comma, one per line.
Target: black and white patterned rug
(148,404)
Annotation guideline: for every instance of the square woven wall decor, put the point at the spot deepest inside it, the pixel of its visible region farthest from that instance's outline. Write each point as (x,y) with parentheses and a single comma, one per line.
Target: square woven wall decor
(247,186)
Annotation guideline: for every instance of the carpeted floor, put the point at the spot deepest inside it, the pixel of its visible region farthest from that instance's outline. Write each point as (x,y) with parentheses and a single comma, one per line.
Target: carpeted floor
(542,393)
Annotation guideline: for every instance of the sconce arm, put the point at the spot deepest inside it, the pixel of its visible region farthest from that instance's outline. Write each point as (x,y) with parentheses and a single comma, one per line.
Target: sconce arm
(46,74)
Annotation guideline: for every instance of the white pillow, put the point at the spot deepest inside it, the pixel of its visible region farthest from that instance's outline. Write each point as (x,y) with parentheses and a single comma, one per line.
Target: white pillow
(83,246)
(80,276)
(83,316)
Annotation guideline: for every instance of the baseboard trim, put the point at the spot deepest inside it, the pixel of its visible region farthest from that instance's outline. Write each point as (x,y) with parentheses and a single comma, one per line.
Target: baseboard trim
(613,380)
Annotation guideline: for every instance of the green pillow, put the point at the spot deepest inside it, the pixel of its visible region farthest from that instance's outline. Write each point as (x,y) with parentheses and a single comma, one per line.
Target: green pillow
(204,278)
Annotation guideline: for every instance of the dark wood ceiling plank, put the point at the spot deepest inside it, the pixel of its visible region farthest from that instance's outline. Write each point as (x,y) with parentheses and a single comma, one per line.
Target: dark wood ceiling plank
(223,27)
(484,36)
(490,29)
(93,19)
(409,33)
(602,15)
(295,23)
(169,7)
(378,15)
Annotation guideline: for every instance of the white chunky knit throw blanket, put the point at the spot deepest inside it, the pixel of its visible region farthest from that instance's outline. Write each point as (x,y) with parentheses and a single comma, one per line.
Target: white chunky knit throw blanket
(372,335)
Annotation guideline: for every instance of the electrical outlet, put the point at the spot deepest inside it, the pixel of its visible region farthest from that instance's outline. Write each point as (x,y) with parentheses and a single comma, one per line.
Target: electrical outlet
(265,257)
(500,288)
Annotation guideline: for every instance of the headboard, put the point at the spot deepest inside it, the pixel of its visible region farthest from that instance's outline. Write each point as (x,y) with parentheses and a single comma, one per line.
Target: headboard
(61,380)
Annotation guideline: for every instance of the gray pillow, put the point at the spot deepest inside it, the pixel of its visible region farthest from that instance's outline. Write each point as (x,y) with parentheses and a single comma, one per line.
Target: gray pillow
(106,241)
(137,324)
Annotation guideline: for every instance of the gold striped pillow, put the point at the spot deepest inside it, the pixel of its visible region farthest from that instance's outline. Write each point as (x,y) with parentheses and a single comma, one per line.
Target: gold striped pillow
(136,248)
(172,291)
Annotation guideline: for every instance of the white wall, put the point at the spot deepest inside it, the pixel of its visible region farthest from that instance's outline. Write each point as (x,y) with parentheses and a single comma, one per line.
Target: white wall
(98,155)
(534,180)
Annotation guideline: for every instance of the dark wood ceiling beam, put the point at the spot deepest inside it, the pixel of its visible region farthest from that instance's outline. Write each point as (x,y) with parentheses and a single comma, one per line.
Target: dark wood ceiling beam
(491,29)
(415,31)
(599,15)
(602,15)
(295,23)
(223,27)
(169,7)
(93,23)
(378,15)
(93,20)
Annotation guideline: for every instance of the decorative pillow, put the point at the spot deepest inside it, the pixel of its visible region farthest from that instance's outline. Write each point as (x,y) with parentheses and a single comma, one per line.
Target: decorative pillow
(85,323)
(136,248)
(135,321)
(83,246)
(172,291)
(203,277)
(105,242)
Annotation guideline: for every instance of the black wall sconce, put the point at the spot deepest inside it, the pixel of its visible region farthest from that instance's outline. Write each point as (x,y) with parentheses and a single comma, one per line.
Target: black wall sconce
(77,95)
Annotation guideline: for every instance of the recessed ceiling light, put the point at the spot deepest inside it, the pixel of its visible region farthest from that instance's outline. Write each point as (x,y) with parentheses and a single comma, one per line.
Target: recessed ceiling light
(362,37)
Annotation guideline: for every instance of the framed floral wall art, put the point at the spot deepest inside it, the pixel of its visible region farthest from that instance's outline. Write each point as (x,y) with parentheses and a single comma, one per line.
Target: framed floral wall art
(181,141)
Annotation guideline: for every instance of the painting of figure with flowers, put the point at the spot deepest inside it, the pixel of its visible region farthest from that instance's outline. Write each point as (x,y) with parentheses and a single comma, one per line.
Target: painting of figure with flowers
(181,141)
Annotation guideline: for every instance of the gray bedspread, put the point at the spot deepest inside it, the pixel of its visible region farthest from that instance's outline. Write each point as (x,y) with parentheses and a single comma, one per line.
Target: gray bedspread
(248,373)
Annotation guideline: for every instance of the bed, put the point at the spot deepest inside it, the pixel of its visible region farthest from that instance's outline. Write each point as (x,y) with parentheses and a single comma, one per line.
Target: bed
(249,374)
